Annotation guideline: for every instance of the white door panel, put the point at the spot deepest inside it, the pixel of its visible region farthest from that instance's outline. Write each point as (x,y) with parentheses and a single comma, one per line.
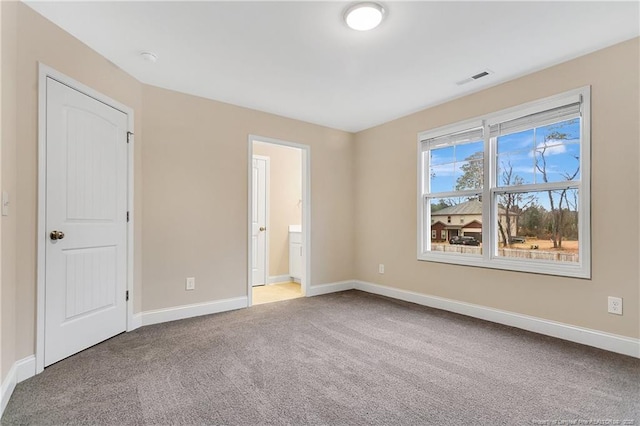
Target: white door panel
(86,193)
(259,222)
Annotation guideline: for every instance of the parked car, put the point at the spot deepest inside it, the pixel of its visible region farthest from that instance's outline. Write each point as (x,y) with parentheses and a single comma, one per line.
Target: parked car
(464,240)
(514,240)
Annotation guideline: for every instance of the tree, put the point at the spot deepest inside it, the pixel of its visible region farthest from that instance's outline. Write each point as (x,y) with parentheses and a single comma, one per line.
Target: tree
(472,176)
(512,202)
(532,220)
(442,204)
(558,212)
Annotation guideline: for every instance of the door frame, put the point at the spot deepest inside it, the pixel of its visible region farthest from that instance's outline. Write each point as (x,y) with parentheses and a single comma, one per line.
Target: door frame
(267,205)
(45,72)
(306,210)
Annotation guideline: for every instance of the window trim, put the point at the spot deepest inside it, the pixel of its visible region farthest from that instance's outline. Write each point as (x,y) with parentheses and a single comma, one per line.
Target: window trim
(489,257)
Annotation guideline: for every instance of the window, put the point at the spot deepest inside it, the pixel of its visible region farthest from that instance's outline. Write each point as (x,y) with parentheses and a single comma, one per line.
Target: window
(518,180)
(433,234)
(443,234)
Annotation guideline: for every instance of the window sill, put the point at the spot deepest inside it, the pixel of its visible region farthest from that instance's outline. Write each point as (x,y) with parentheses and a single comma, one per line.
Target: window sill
(578,270)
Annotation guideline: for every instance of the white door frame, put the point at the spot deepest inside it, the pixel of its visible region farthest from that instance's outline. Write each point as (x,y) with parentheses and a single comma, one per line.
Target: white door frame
(267,206)
(47,72)
(306,210)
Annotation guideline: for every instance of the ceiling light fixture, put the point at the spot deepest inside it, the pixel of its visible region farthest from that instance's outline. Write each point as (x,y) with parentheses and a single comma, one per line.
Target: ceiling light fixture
(364,16)
(149,56)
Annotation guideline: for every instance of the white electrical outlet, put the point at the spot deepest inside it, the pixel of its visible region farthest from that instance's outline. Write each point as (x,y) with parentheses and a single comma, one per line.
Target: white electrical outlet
(615,305)
(191,283)
(381,268)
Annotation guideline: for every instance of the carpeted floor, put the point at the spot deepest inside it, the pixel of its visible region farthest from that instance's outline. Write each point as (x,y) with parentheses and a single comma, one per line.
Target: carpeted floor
(344,358)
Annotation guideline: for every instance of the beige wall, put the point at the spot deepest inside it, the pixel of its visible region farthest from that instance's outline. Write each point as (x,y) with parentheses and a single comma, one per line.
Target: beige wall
(285,204)
(195,160)
(2,373)
(40,40)
(8,179)
(386,160)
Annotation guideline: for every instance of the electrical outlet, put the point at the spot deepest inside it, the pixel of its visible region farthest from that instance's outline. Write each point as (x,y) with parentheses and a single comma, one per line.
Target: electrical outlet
(381,268)
(615,305)
(190,283)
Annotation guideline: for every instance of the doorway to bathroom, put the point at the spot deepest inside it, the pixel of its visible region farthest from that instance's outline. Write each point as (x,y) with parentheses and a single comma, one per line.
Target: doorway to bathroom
(278,220)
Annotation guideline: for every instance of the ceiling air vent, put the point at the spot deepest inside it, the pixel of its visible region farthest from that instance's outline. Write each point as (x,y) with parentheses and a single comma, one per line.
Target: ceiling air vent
(474,77)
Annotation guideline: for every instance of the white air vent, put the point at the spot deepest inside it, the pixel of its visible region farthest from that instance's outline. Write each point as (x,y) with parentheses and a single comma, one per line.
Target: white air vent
(474,77)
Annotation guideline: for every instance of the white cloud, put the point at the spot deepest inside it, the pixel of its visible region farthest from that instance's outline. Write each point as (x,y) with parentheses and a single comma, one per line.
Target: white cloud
(551,147)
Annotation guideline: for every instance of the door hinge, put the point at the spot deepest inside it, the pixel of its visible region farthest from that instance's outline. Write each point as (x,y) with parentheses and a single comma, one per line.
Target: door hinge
(127,216)
(129,134)
(127,296)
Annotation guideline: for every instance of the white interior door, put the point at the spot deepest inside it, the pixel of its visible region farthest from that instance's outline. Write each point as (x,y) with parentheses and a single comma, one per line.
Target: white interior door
(259,221)
(86,208)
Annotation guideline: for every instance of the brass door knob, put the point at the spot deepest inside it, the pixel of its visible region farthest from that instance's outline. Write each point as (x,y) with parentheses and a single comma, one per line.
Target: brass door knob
(56,235)
(262,228)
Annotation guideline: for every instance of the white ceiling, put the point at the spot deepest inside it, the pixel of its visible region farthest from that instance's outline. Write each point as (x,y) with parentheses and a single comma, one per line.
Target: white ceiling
(299,59)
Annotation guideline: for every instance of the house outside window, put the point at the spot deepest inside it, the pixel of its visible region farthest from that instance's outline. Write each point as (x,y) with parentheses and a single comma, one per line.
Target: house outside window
(514,185)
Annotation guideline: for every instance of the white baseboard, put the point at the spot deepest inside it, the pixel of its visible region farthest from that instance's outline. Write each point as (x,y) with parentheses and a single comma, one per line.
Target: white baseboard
(25,368)
(20,371)
(599,339)
(279,279)
(136,322)
(317,290)
(8,385)
(187,311)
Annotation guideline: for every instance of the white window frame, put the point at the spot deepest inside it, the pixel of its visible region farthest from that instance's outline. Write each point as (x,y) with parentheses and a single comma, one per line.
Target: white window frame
(489,257)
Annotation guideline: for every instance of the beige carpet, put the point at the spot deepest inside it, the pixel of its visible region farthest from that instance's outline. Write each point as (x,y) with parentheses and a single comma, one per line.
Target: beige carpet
(276,293)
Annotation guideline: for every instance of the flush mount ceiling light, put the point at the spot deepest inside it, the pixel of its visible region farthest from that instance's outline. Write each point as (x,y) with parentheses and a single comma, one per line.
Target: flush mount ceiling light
(149,56)
(364,16)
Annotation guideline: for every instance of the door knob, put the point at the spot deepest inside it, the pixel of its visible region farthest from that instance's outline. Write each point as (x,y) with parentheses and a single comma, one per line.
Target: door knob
(262,228)
(56,235)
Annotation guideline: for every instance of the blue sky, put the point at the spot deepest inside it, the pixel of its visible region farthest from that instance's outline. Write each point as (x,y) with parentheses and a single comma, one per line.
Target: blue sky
(518,151)
(446,164)
(522,150)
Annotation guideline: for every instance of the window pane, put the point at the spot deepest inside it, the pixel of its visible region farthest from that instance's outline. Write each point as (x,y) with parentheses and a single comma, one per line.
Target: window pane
(515,169)
(470,173)
(442,155)
(470,166)
(557,152)
(516,165)
(442,177)
(521,142)
(456,167)
(545,154)
(539,225)
(470,149)
(455,225)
